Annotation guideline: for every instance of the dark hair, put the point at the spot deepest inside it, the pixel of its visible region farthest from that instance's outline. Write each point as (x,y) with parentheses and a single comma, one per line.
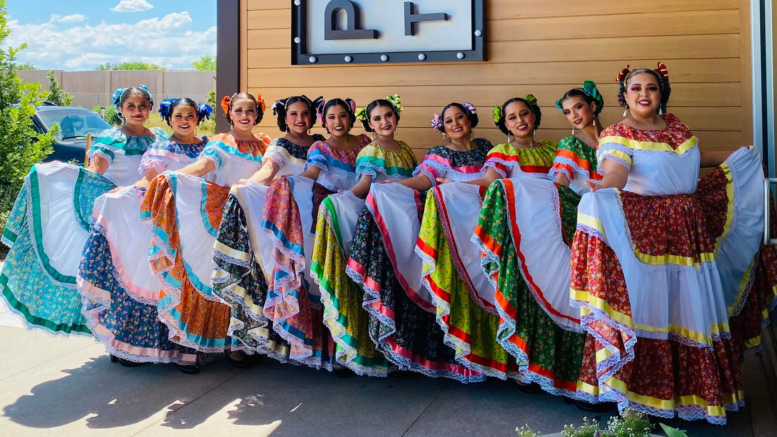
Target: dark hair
(535,109)
(375,104)
(129,92)
(167,107)
(577,92)
(663,87)
(281,106)
(245,96)
(473,116)
(348,104)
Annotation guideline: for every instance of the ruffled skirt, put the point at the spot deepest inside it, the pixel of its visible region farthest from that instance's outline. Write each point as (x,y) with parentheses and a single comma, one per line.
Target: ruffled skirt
(673,290)
(293,303)
(342,298)
(524,232)
(402,313)
(243,258)
(47,230)
(120,291)
(462,293)
(185,214)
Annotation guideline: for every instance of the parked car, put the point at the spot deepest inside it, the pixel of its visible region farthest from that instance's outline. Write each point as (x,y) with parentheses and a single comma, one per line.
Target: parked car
(74,125)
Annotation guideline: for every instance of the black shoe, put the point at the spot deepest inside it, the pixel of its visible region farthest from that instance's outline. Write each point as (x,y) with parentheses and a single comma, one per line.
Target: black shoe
(530,389)
(191,369)
(127,363)
(114,359)
(344,372)
(238,364)
(594,408)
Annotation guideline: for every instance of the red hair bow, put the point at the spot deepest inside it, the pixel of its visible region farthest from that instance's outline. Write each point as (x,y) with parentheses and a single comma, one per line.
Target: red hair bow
(622,74)
(225,104)
(661,70)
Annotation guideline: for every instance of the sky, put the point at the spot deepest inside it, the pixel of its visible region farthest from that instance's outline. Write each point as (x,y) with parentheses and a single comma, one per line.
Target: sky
(78,35)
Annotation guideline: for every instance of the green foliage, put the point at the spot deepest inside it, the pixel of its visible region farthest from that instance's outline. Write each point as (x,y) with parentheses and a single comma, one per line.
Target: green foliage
(56,94)
(24,67)
(111,116)
(205,63)
(672,432)
(629,424)
(212,101)
(127,66)
(21,145)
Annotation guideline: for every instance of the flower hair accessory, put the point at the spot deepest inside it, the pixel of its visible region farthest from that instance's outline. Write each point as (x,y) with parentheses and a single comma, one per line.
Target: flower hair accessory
(225,102)
(437,123)
(623,74)
(530,99)
(470,107)
(396,102)
(259,101)
(361,114)
(320,111)
(497,113)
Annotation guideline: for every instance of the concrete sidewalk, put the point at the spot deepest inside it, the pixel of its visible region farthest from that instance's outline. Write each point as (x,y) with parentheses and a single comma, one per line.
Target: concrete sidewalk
(68,386)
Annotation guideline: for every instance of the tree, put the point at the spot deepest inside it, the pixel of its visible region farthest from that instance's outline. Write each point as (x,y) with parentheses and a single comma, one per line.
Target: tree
(21,145)
(211,99)
(56,94)
(126,66)
(205,63)
(25,66)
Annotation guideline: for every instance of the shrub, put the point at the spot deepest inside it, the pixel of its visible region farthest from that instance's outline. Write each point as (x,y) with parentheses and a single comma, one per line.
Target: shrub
(56,94)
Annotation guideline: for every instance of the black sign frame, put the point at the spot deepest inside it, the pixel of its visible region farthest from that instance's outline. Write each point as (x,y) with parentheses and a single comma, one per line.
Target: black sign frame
(300,56)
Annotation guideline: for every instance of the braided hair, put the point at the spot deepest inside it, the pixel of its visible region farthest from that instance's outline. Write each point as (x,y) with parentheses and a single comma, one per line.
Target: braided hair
(348,104)
(281,108)
(529,100)
(662,78)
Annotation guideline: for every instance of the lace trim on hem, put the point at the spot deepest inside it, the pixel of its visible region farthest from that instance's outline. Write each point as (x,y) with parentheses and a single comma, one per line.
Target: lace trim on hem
(373,170)
(610,366)
(491,163)
(156,164)
(97,152)
(37,328)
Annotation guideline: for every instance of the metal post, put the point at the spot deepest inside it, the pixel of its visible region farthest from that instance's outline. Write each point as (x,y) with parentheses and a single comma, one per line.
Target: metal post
(762,55)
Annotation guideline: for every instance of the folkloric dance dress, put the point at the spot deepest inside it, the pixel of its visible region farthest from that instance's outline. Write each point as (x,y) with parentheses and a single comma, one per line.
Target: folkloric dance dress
(671,276)
(243,254)
(185,213)
(524,231)
(382,261)
(293,301)
(120,290)
(49,226)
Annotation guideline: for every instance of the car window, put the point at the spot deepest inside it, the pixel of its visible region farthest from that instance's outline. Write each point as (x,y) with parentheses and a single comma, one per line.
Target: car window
(74,123)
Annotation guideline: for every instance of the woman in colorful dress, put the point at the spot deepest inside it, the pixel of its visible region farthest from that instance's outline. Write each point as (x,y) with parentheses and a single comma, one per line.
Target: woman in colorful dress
(120,291)
(185,210)
(293,302)
(669,270)
(242,254)
(526,252)
(401,313)
(50,221)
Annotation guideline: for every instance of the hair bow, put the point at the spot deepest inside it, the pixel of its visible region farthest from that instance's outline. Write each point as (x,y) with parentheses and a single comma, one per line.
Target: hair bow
(662,71)
(117,95)
(225,102)
(623,74)
(437,123)
(204,111)
(589,87)
(530,99)
(396,102)
(260,101)
(497,112)
(164,107)
(320,111)
(145,88)
(470,107)
(352,104)
(278,103)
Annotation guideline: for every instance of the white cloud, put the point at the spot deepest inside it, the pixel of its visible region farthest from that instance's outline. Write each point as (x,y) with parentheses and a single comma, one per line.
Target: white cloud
(74,18)
(168,41)
(132,6)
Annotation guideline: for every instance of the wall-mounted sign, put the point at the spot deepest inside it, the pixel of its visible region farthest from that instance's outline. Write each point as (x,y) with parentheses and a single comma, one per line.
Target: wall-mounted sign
(376,31)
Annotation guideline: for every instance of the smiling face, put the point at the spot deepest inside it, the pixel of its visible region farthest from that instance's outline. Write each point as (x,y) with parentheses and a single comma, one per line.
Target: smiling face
(643,95)
(135,110)
(298,118)
(456,123)
(183,121)
(579,113)
(383,121)
(338,121)
(243,115)
(520,119)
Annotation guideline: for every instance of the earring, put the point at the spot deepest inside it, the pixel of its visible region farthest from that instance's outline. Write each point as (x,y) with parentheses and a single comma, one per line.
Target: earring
(594,121)
(308,131)
(660,110)
(573,131)
(625,111)
(373,136)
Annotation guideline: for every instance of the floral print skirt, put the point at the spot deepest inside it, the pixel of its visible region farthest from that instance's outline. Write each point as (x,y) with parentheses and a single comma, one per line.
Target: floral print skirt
(46,231)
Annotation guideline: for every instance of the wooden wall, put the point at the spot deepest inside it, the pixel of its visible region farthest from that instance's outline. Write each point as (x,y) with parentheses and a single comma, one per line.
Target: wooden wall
(544,47)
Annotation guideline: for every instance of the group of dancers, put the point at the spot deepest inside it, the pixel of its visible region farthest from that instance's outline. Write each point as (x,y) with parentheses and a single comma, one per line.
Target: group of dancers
(600,268)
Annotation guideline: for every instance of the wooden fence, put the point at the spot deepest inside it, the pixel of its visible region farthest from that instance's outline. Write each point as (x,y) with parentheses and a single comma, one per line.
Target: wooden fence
(93,88)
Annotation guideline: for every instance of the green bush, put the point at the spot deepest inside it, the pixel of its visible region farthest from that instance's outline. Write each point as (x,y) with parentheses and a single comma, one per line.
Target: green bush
(111,117)
(56,94)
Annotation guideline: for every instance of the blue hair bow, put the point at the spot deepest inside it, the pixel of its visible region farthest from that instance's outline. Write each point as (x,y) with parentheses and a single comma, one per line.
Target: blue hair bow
(117,95)
(204,111)
(165,107)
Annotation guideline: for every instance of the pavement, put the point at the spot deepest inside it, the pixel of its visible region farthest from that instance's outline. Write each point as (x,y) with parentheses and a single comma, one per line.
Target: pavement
(68,387)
